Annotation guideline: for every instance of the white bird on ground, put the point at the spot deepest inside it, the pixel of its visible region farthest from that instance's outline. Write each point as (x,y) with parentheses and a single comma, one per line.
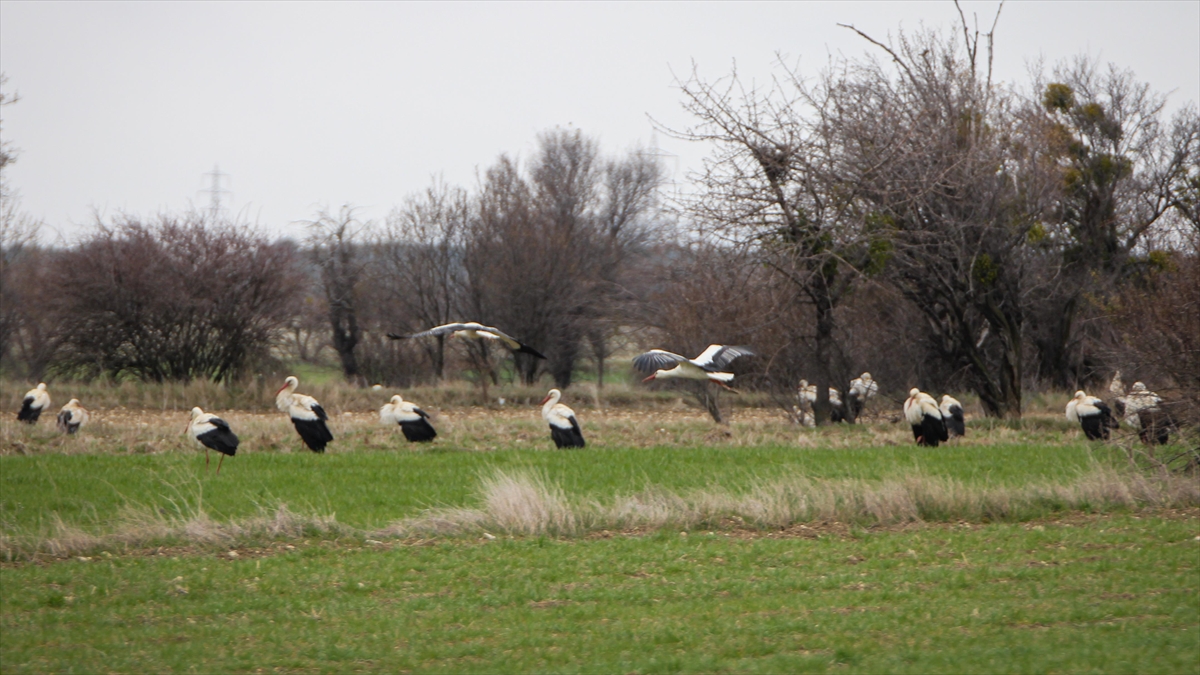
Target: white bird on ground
(808,395)
(72,416)
(1141,410)
(1116,387)
(474,331)
(1092,414)
(952,415)
(213,433)
(862,389)
(36,400)
(923,414)
(564,428)
(663,365)
(413,421)
(306,414)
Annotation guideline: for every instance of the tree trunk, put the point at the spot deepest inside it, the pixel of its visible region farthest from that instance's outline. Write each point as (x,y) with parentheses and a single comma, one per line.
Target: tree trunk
(822,409)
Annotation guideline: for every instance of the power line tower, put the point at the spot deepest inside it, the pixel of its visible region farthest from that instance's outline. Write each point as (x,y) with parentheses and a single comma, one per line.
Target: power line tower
(215,191)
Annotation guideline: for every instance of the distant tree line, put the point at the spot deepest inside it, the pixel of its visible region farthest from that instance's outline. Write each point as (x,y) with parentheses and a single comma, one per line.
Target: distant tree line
(904,215)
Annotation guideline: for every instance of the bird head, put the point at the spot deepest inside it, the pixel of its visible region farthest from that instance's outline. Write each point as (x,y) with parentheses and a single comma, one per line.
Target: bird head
(291,381)
(912,393)
(554,393)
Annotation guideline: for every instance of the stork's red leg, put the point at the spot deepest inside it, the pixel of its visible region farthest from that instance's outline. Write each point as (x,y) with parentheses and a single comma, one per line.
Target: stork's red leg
(219,464)
(206,457)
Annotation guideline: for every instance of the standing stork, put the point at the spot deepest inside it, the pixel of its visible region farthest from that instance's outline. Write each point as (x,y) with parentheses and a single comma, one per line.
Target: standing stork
(72,416)
(474,331)
(214,434)
(36,400)
(564,428)
(663,365)
(952,415)
(922,412)
(306,414)
(1092,414)
(413,421)
(808,396)
(1141,410)
(862,388)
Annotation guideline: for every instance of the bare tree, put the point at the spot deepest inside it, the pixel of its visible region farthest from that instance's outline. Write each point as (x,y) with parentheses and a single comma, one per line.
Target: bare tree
(940,165)
(420,267)
(175,299)
(1122,172)
(336,246)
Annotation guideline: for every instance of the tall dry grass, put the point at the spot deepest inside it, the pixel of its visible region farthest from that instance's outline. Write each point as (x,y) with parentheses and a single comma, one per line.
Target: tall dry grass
(523,504)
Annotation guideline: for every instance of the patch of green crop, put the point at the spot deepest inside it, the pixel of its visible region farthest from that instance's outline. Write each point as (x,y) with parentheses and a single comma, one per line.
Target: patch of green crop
(1107,594)
(371,488)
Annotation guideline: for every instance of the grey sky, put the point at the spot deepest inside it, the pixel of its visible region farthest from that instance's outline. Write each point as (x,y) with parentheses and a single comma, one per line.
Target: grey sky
(124,106)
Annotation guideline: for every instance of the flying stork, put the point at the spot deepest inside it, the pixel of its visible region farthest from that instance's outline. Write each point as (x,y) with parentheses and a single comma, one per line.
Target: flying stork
(306,414)
(36,400)
(474,331)
(1093,415)
(413,421)
(952,415)
(72,416)
(564,428)
(922,412)
(214,434)
(664,365)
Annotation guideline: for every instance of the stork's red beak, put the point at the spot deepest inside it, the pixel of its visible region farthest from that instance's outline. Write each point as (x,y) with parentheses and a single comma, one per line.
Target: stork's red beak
(280,389)
(545,399)
(649,378)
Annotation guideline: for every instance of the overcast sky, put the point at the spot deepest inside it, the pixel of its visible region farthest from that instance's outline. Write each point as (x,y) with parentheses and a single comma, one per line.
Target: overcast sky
(126,106)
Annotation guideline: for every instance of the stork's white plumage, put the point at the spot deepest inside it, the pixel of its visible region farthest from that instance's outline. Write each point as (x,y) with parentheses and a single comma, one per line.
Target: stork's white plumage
(1092,414)
(564,428)
(925,417)
(1141,409)
(663,365)
(864,387)
(35,402)
(213,433)
(306,414)
(71,417)
(808,397)
(1116,387)
(952,415)
(474,331)
(413,421)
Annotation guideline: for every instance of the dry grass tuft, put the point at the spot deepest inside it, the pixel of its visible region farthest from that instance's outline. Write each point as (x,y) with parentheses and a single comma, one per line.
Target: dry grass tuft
(143,527)
(521,504)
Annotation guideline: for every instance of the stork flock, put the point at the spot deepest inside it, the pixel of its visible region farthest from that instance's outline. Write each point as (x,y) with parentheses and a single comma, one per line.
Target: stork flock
(932,422)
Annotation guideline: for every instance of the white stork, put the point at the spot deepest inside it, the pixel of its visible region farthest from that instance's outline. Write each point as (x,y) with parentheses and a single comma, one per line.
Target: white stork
(564,428)
(952,415)
(862,388)
(36,400)
(474,331)
(306,414)
(1116,387)
(214,434)
(1092,414)
(72,416)
(413,421)
(664,365)
(1141,410)
(808,394)
(922,412)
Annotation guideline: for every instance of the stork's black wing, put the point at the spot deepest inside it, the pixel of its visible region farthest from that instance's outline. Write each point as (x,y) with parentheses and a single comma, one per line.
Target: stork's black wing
(656,359)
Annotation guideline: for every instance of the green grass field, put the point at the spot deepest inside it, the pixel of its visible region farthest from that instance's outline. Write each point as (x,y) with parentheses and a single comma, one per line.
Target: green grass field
(668,545)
